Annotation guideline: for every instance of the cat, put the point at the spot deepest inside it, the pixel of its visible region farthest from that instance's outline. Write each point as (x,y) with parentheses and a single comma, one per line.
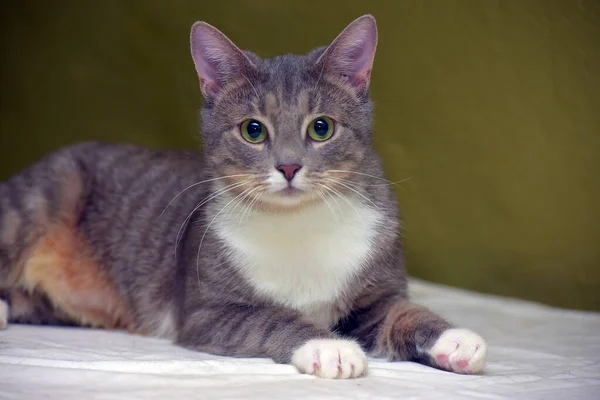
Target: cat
(281,240)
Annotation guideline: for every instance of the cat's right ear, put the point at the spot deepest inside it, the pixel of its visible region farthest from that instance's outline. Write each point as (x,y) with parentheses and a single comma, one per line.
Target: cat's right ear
(351,54)
(216,58)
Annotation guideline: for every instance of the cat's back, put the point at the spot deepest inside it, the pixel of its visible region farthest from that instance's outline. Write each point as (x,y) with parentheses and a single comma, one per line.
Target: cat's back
(122,160)
(126,200)
(114,173)
(130,192)
(112,162)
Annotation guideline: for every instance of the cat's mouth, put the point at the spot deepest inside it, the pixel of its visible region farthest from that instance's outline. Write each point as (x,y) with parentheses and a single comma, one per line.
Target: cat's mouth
(289,198)
(290,191)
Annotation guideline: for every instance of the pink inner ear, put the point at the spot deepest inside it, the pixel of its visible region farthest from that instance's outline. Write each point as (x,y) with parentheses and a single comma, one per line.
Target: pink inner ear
(362,61)
(216,58)
(208,86)
(203,46)
(352,52)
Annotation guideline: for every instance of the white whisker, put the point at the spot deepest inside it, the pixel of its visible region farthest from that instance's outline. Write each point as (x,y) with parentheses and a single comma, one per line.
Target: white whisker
(248,195)
(199,183)
(208,227)
(369,175)
(376,185)
(322,196)
(354,190)
(249,207)
(341,195)
(332,195)
(206,200)
(240,201)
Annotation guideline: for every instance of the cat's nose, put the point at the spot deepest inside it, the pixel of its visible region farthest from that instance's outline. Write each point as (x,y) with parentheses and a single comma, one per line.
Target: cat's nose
(289,170)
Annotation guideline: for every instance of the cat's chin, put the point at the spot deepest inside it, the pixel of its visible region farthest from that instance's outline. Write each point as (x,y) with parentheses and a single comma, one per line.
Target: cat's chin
(290,193)
(288,200)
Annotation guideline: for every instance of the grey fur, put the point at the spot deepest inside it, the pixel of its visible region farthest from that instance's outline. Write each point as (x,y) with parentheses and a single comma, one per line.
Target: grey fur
(113,200)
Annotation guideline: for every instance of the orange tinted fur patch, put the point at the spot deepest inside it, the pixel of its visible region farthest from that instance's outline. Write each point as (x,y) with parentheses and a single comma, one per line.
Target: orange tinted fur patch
(60,266)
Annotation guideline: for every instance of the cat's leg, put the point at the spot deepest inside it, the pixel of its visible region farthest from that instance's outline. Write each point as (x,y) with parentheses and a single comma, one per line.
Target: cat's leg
(405,331)
(283,335)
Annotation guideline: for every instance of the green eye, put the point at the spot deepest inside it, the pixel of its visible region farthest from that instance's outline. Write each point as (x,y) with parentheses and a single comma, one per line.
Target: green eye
(253,131)
(321,129)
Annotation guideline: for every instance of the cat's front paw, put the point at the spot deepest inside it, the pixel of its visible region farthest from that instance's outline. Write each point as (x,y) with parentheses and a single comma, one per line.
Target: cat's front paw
(459,350)
(331,358)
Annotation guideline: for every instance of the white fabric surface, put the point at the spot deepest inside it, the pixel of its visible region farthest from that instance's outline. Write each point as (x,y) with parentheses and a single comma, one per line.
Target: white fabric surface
(536,352)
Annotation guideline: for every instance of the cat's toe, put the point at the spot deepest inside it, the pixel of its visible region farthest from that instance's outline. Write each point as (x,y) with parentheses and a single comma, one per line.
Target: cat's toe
(3,314)
(460,350)
(331,358)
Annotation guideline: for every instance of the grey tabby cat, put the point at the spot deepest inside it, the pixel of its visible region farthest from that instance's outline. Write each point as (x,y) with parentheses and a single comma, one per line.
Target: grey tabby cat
(281,240)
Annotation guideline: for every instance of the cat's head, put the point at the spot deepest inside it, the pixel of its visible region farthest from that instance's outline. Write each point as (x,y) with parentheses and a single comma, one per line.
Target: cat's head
(291,129)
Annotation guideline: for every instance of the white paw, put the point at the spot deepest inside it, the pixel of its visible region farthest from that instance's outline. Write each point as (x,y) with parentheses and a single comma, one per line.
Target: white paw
(3,314)
(331,358)
(460,350)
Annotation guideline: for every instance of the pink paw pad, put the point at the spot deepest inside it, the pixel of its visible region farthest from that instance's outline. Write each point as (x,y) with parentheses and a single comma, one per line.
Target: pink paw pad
(316,367)
(459,350)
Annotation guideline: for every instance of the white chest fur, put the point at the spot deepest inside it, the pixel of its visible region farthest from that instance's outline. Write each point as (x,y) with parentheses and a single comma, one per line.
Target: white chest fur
(303,260)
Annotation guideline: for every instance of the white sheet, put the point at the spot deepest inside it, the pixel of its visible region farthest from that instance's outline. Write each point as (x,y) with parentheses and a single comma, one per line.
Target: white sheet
(536,352)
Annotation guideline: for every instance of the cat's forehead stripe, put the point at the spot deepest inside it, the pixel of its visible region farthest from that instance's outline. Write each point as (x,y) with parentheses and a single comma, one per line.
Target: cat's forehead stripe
(270,104)
(304,102)
(273,103)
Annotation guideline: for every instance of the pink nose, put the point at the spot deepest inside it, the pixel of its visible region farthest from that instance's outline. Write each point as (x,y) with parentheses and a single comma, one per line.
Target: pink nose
(289,171)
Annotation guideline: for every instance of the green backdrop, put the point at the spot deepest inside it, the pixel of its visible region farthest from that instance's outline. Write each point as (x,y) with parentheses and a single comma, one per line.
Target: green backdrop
(491,107)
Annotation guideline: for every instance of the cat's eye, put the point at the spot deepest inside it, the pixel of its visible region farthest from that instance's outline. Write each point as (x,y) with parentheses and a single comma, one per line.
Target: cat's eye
(253,131)
(321,129)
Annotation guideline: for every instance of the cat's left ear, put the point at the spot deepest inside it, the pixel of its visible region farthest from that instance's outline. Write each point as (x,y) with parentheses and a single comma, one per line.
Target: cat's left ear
(217,60)
(351,54)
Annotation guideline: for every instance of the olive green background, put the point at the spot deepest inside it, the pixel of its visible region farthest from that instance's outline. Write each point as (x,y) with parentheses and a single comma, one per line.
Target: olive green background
(491,107)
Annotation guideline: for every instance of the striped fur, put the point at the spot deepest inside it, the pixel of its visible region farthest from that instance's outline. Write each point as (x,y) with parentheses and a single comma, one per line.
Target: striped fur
(211,250)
